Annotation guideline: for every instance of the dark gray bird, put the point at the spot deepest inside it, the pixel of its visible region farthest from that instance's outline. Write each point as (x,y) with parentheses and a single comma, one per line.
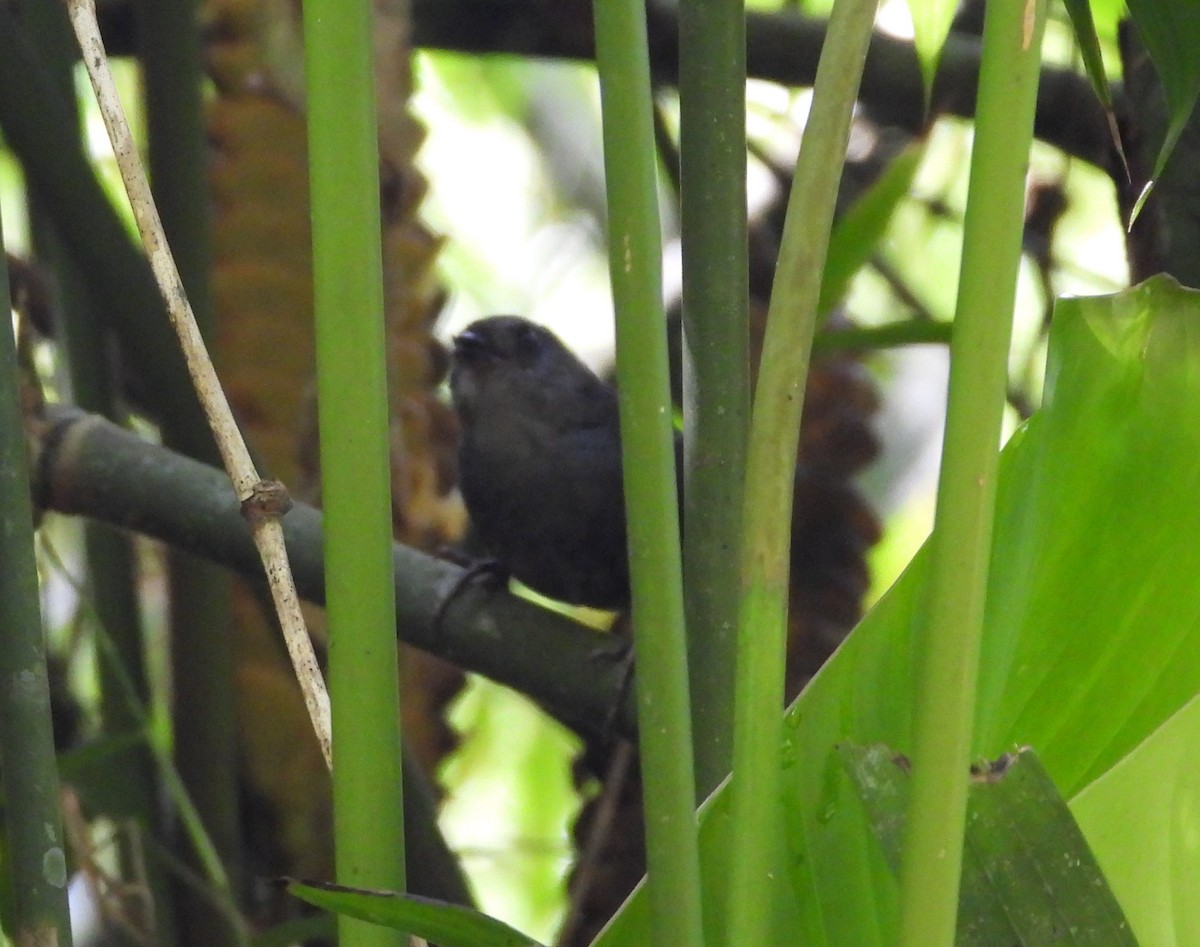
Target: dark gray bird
(540,461)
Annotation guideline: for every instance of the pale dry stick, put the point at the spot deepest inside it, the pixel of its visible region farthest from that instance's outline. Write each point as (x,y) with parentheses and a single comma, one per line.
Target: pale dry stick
(263,502)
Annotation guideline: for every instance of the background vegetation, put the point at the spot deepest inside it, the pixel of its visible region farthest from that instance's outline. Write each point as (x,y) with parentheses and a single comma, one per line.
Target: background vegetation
(189,775)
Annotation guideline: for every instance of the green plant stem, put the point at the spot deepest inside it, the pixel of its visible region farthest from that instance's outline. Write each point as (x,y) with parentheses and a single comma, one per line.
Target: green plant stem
(440,875)
(355,477)
(635,265)
(93,388)
(207,859)
(948,642)
(111,568)
(202,659)
(774,438)
(716,371)
(136,716)
(888,336)
(169,49)
(34,857)
(38,125)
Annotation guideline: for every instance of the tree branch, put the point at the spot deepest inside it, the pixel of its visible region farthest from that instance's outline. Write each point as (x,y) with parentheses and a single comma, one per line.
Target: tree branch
(87,466)
(781,47)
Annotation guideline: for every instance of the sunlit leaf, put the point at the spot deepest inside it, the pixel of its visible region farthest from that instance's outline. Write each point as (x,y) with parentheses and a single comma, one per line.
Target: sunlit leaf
(931,25)
(1141,820)
(1106,14)
(1092,630)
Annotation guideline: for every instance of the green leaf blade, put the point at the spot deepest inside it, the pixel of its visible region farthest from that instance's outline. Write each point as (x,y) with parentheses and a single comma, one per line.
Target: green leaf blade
(859,231)
(449,925)
(1170,30)
(1146,804)
(1029,878)
(1084,25)
(931,25)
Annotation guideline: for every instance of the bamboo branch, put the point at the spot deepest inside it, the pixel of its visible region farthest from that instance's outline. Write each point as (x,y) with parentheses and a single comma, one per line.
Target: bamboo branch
(85,465)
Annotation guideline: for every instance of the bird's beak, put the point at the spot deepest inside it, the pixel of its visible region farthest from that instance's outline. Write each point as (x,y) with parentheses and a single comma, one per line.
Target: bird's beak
(470,346)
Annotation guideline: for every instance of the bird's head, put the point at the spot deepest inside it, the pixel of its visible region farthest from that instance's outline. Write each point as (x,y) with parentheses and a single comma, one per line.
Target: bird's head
(510,361)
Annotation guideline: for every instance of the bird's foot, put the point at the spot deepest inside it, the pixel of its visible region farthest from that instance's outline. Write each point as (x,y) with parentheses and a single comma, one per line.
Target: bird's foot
(615,649)
(493,573)
(619,652)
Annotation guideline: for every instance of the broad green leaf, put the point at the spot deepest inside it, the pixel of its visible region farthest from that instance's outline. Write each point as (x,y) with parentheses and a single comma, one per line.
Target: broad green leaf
(1094,620)
(931,25)
(1141,820)
(449,925)
(860,229)
(1029,878)
(1092,630)
(1091,637)
(1171,31)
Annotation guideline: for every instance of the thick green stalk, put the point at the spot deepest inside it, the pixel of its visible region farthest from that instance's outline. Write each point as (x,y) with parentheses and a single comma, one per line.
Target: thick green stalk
(774,438)
(93,388)
(112,585)
(635,265)
(173,79)
(39,127)
(716,373)
(959,549)
(202,661)
(356,491)
(34,856)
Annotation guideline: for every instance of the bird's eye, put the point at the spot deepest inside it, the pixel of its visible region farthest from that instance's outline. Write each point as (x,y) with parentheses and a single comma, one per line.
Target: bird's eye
(528,343)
